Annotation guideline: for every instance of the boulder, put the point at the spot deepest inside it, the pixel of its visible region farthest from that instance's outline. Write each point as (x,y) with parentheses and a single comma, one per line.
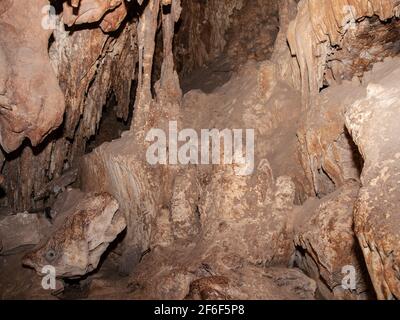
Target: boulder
(327,246)
(77,243)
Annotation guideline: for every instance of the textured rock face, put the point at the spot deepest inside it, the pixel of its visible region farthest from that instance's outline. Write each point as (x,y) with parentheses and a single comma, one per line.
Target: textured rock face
(274,283)
(210,216)
(327,244)
(369,113)
(319,29)
(234,216)
(110,12)
(231,220)
(121,167)
(322,195)
(17,231)
(89,65)
(373,123)
(78,242)
(209,35)
(215,38)
(31,102)
(327,152)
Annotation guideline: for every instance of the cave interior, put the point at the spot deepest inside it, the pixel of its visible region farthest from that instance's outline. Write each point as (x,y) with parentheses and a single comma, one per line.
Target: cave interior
(311,211)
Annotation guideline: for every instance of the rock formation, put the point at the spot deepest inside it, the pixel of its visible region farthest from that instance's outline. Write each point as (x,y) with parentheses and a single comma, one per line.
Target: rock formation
(302,93)
(30,107)
(373,123)
(77,242)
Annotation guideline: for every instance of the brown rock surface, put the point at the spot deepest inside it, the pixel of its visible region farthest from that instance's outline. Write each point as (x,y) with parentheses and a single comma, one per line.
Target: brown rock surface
(373,123)
(17,231)
(320,27)
(329,156)
(89,66)
(75,246)
(320,198)
(90,11)
(31,102)
(327,244)
(254,284)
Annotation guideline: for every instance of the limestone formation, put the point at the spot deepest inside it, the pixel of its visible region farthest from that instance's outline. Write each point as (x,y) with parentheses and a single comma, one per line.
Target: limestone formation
(75,246)
(373,123)
(31,101)
(261,286)
(110,13)
(327,245)
(85,88)
(328,154)
(320,27)
(17,231)
(187,149)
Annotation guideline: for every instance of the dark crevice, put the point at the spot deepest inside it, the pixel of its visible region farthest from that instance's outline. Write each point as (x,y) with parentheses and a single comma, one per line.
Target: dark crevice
(111,127)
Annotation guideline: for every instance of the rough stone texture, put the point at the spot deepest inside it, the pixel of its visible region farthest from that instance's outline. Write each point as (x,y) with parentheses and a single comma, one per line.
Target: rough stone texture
(210,47)
(204,26)
(185,214)
(89,65)
(328,154)
(121,167)
(58,185)
(201,272)
(319,29)
(16,231)
(113,20)
(324,124)
(287,67)
(111,12)
(127,175)
(31,102)
(327,244)
(248,216)
(207,215)
(20,283)
(369,42)
(271,284)
(76,245)
(373,123)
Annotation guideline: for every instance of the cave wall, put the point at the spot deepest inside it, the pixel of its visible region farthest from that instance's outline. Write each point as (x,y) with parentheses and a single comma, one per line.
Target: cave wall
(208,28)
(29,109)
(337,44)
(331,155)
(201,36)
(319,29)
(87,76)
(87,65)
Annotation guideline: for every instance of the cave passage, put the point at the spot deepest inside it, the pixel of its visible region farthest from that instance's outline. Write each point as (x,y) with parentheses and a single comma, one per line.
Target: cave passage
(98,191)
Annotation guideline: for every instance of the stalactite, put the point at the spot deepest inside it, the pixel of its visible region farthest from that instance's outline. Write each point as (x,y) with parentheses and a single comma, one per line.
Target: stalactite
(313,85)
(320,26)
(169,81)
(89,65)
(147,28)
